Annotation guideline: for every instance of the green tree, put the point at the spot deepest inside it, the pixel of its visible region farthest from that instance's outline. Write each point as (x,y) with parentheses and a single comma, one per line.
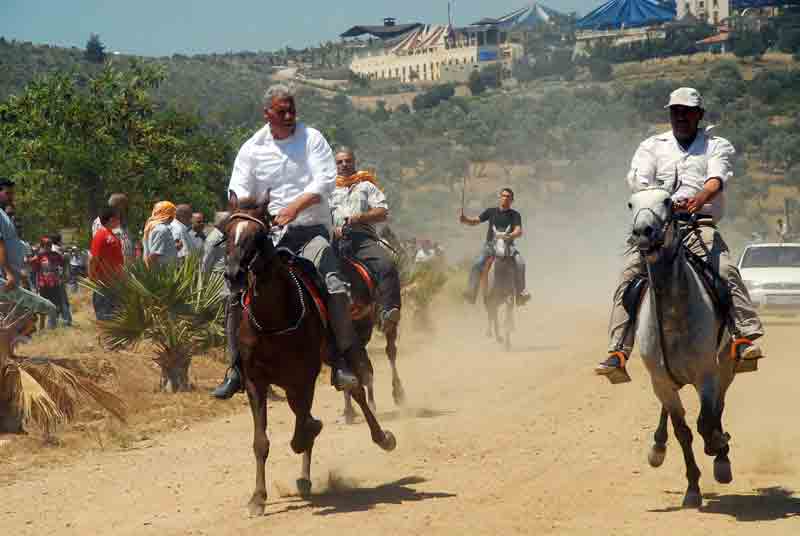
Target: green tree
(475,83)
(749,44)
(71,140)
(95,51)
(600,70)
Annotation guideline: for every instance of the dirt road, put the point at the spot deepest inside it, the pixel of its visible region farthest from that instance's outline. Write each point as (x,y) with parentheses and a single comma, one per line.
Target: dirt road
(493,443)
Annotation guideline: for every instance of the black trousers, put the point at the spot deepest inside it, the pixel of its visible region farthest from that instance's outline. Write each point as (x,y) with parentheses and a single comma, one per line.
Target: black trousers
(380,262)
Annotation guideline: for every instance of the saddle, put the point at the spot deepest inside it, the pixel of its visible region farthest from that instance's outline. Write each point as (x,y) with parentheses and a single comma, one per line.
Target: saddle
(717,288)
(358,310)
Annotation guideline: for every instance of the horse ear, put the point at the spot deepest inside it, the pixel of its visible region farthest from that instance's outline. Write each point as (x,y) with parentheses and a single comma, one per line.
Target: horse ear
(233,201)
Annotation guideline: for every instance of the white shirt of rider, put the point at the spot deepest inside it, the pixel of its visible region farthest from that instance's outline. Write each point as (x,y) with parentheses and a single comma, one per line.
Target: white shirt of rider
(659,159)
(286,169)
(357,199)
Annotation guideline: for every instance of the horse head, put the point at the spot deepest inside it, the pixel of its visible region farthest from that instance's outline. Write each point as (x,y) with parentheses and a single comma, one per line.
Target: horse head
(247,230)
(652,221)
(500,246)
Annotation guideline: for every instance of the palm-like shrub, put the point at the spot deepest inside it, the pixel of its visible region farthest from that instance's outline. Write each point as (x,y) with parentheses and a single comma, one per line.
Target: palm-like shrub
(176,307)
(40,391)
(422,283)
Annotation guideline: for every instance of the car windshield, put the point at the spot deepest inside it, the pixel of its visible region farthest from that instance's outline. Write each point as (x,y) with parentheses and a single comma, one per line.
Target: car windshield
(768,257)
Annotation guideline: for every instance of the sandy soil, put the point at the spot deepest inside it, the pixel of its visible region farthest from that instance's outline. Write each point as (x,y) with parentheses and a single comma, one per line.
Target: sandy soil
(493,442)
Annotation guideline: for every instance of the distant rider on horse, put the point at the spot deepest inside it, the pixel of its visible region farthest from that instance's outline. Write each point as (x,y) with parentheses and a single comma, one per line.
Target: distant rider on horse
(701,163)
(294,166)
(501,217)
(359,209)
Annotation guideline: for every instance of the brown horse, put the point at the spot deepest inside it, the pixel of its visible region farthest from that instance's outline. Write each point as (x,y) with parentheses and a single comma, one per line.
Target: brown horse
(365,314)
(282,342)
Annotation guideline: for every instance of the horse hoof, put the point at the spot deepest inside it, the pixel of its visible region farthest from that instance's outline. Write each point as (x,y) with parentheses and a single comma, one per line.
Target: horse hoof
(656,455)
(349,417)
(692,500)
(256,507)
(304,487)
(389,443)
(722,471)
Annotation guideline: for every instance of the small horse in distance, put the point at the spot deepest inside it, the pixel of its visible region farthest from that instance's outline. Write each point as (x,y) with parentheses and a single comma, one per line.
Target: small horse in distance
(498,284)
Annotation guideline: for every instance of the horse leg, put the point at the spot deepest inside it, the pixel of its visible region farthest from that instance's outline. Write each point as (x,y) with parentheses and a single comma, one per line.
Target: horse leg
(257,394)
(398,393)
(723,473)
(306,429)
(659,449)
(692,499)
(349,413)
(383,438)
(709,423)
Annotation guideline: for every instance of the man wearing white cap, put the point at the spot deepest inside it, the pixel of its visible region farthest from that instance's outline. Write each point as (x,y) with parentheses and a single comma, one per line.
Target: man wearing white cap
(702,164)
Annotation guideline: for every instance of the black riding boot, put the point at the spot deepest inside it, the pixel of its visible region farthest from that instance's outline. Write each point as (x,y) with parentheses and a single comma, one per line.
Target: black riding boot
(347,348)
(233,380)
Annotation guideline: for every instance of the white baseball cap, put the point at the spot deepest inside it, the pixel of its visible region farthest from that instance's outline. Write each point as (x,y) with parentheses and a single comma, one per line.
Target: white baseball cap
(685,96)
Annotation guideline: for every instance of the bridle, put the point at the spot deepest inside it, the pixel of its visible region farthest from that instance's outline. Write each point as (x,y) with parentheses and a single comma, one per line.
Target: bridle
(252,290)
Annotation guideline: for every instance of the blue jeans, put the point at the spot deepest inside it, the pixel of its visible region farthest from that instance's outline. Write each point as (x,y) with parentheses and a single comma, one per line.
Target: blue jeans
(63,306)
(480,263)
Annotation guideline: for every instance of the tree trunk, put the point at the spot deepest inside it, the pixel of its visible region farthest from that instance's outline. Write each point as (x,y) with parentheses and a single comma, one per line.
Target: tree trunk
(175,374)
(10,421)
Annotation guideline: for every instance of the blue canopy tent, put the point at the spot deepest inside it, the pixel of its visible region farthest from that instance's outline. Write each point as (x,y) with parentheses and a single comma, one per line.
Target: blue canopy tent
(617,14)
(529,16)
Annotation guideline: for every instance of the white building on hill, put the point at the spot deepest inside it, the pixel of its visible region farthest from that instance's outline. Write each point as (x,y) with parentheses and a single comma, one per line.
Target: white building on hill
(431,53)
(711,11)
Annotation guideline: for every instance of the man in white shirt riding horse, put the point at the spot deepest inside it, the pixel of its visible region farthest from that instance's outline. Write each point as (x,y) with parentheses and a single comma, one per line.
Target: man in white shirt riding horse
(701,163)
(294,165)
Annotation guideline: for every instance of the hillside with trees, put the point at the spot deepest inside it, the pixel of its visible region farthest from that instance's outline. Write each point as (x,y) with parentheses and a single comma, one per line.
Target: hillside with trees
(169,128)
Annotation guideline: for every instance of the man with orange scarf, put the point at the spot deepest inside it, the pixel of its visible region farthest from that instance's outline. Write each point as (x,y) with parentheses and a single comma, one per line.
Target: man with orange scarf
(359,207)
(158,242)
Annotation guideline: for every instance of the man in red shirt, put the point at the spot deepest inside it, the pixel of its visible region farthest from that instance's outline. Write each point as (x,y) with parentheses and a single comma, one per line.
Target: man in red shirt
(105,264)
(49,268)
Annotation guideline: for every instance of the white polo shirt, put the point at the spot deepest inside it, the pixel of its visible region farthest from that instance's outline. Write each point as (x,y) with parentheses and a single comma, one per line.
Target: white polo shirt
(300,164)
(358,199)
(660,158)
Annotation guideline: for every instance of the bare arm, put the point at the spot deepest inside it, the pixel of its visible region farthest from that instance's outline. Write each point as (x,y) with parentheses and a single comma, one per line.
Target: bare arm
(516,232)
(288,214)
(466,220)
(373,215)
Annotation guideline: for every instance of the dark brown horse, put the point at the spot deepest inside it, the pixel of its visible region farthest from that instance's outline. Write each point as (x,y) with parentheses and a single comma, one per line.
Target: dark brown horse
(282,342)
(365,314)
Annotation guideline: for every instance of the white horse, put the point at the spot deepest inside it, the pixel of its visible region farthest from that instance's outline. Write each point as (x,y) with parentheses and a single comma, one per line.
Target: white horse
(682,337)
(499,287)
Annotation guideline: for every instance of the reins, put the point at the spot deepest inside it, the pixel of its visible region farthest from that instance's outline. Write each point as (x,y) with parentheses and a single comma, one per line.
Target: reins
(252,291)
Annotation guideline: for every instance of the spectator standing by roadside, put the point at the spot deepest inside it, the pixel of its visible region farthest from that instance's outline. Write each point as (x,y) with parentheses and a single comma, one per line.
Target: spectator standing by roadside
(159,246)
(65,311)
(49,266)
(106,262)
(119,202)
(12,259)
(27,250)
(180,230)
(214,247)
(198,231)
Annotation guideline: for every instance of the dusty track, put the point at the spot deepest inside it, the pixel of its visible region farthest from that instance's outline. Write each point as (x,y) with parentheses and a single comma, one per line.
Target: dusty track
(494,443)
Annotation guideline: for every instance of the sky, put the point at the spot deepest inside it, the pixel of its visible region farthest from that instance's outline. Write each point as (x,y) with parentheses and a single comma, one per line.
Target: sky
(165,27)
